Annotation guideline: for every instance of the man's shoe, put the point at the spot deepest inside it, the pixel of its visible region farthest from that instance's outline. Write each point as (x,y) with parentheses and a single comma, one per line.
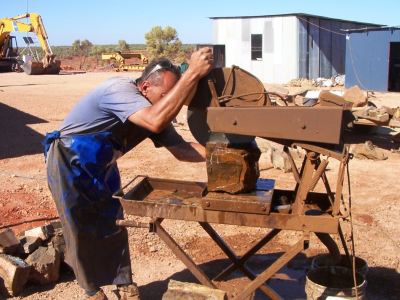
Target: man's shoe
(128,292)
(98,296)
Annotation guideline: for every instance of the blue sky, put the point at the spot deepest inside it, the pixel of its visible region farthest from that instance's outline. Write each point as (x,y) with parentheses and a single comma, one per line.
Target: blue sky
(106,22)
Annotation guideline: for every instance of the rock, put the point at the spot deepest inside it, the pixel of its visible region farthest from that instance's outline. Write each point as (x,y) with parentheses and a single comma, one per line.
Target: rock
(232,170)
(395,120)
(367,151)
(14,272)
(30,244)
(43,232)
(372,113)
(45,262)
(280,160)
(355,95)
(58,243)
(339,79)
(184,290)
(327,98)
(56,225)
(307,100)
(299,100)
(9,243)
(378,115)
(300,82)
(273,88)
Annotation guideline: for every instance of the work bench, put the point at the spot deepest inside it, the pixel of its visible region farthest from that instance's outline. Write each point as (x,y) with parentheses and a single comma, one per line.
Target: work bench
(299,210)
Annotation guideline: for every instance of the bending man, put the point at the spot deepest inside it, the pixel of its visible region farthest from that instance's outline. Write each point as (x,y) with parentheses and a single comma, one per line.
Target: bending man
(82,171)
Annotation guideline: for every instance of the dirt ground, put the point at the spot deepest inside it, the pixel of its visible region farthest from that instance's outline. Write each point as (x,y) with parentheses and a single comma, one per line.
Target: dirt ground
(30,106)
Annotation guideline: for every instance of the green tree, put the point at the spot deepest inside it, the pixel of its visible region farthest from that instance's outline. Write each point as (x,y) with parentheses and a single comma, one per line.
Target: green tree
(164,42)
(82,49)
(123,45)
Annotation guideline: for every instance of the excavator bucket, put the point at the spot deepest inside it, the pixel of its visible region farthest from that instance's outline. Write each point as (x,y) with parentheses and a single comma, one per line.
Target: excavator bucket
(37,68)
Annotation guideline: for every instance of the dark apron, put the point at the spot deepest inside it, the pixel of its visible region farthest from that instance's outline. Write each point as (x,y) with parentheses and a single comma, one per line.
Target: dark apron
(82,176)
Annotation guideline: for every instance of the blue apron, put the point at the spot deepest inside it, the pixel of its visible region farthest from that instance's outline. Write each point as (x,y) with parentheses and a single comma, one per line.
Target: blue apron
(83,176)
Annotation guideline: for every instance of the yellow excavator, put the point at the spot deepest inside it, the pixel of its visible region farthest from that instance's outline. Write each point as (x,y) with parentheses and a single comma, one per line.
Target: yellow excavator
(119,60)
(9,57)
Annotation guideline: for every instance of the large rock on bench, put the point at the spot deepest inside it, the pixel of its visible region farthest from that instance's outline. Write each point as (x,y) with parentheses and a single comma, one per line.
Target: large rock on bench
(232,169)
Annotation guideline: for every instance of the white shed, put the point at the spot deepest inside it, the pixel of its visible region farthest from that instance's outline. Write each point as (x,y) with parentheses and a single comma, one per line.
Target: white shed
(278,48)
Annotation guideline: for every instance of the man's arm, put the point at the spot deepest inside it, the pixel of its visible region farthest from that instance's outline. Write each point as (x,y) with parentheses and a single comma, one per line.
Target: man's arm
(191,152)
(156,117)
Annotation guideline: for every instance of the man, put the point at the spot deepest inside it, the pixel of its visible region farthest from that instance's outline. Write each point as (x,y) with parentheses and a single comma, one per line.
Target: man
(82,172)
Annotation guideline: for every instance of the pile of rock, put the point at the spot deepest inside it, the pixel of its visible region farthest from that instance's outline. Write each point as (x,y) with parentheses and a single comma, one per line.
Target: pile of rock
(34,257)
(337,80)
(300,82)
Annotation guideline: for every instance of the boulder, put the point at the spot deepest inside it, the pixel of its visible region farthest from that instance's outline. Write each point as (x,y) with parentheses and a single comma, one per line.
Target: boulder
(45,262)
(355,95)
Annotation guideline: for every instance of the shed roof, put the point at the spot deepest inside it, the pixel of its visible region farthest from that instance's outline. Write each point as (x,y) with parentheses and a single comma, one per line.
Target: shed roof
(298,15)
(366,29)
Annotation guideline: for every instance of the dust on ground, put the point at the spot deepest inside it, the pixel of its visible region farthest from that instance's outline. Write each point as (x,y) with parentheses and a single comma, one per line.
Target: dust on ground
(30,106)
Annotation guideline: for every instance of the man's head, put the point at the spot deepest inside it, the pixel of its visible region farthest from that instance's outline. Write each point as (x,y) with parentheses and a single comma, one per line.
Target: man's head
(157,79)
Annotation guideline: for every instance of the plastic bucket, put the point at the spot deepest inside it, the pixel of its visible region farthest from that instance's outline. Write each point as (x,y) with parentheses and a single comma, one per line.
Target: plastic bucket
(334,283)
(325,260)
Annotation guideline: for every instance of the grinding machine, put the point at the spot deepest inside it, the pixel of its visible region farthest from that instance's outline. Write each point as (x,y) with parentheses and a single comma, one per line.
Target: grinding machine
(231,108)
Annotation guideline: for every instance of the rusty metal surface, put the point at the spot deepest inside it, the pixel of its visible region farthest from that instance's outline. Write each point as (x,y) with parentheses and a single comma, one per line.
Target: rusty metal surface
(232,86)
(224,87)
(311,124)
(191,201)
(258,202)
(171,202)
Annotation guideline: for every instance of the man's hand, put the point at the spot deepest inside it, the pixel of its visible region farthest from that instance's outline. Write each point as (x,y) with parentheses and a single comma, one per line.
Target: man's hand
(201,62)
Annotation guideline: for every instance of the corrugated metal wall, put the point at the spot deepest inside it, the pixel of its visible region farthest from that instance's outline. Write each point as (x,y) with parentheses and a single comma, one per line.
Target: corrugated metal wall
(367,58)
(322,46)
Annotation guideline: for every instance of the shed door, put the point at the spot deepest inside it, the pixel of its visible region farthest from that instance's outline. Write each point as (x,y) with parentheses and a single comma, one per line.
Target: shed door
(394,67)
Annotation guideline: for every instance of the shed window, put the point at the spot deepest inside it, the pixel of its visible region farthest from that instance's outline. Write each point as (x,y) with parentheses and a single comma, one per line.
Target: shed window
(256,47)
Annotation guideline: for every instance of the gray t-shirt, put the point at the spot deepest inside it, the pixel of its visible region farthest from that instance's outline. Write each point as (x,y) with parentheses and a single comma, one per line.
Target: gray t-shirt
(107,108)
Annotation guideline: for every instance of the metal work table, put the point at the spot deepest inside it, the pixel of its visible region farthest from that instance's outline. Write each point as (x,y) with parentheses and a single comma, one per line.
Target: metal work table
(190,201)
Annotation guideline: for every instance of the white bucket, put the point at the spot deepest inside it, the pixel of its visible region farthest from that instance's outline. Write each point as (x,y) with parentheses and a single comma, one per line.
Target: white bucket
(334,283)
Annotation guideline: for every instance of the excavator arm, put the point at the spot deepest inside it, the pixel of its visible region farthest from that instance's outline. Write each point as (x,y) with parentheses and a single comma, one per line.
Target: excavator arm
(48,65)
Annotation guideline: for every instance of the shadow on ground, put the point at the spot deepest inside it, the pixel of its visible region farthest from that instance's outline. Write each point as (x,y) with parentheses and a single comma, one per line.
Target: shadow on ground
(289,282)
(17,139)
(383,283)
